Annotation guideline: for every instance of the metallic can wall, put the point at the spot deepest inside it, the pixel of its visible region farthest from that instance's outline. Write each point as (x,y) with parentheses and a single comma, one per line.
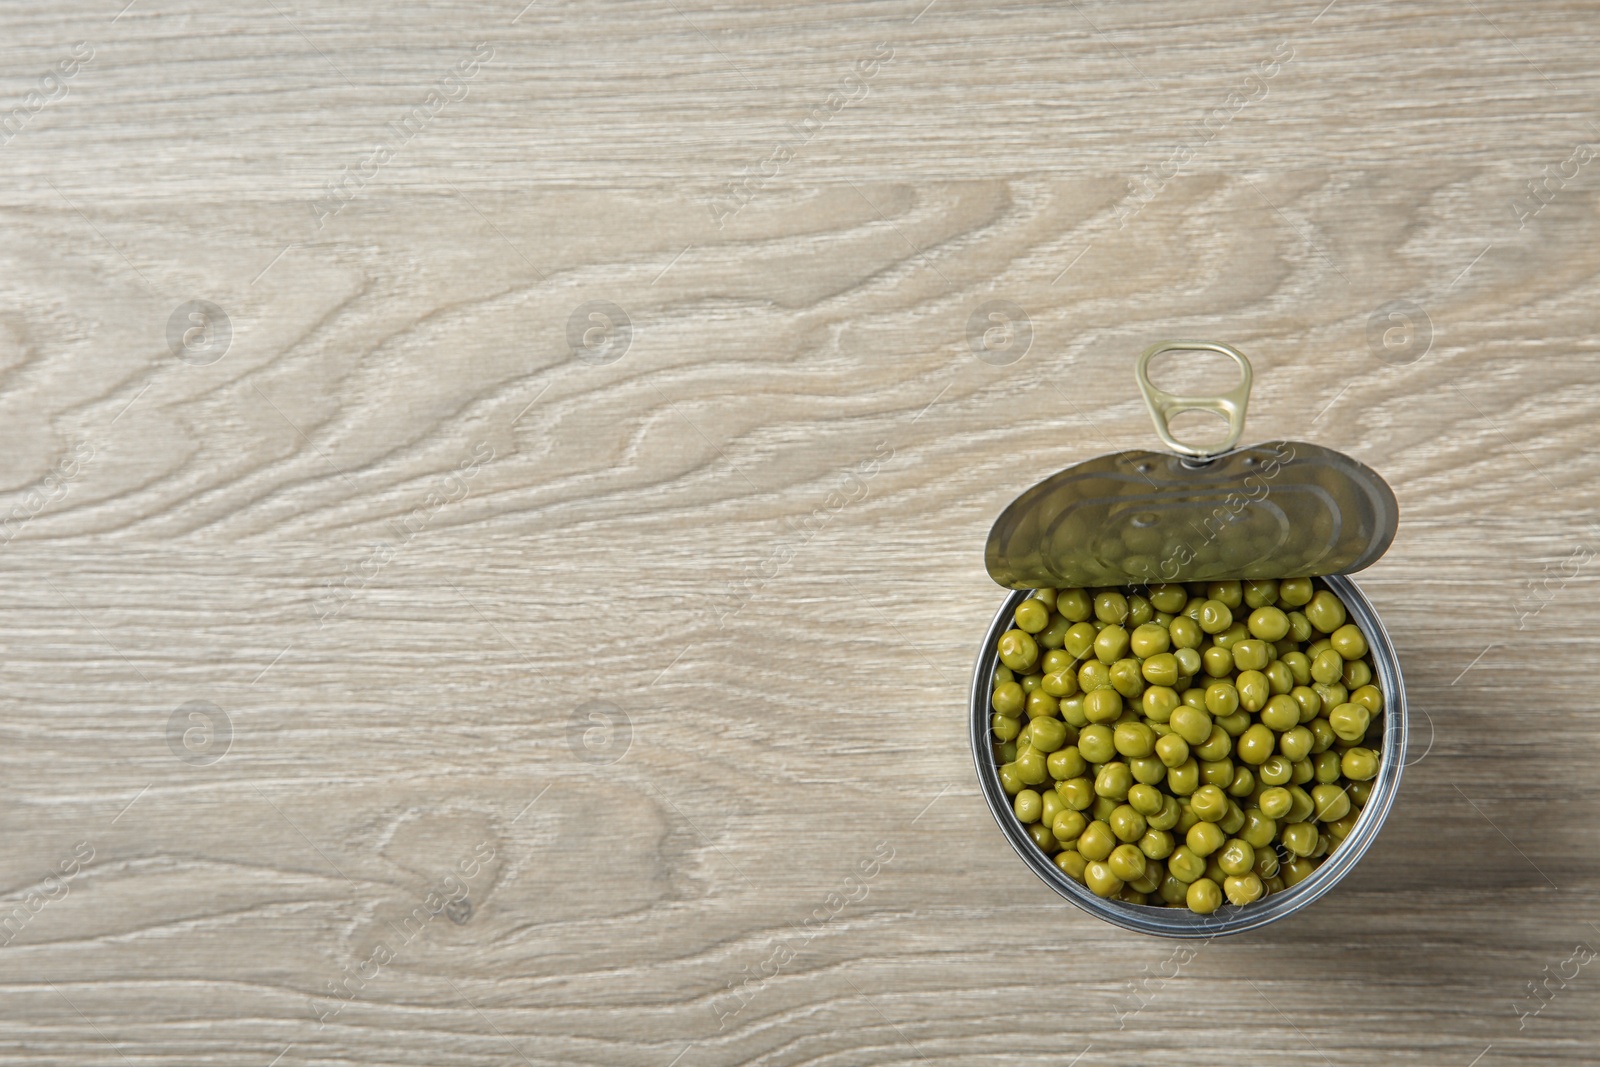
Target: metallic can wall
(1179,922)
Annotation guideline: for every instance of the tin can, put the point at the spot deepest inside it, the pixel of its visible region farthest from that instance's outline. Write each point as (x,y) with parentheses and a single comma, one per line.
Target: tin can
(1112,521)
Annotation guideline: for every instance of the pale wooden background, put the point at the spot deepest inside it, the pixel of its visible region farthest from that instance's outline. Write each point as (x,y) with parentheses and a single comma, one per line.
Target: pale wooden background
(827,322)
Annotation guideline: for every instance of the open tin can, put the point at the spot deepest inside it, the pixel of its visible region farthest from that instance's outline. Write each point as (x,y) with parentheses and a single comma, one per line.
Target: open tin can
(1271,511)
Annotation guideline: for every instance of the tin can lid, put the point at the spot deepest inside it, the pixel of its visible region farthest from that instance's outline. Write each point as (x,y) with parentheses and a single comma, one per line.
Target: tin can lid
(1276,510)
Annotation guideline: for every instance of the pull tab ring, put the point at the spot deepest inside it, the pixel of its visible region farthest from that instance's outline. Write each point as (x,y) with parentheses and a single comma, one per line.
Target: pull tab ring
(1163,405)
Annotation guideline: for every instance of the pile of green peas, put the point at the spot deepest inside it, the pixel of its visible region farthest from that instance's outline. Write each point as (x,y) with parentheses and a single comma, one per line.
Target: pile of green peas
(1182,745)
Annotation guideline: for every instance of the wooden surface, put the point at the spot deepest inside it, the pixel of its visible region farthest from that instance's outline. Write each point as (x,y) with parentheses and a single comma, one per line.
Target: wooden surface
(670,652)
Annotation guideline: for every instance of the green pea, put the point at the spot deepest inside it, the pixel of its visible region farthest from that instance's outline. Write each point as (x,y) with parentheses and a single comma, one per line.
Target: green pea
(1360,793)
(1279,678)
(1149,639)
(1281,713)
(1140,611)
(1242,889)
(1076,793)
(1093,675)
(1204,838)
(1145,799)
(1043,838)
(1275,803)
(1221,698)
(1325,611)
(1032,615)
(1040,703)
(1191,724)
(1160,669)
(1006,751)
(1218,772)
(1348,641)
(1051,806)
(1277,770)
(1301,807)
(1309,702)
(1047,597)
(1184,778)
(1172,749)
(1327,667)
(1326,765)
(1072,711)
(1054,635)
(1126,862)
(1303,773)
(1243,784)
(1254,690)
(1356,674)
(1126,678)
(1159,702)
(1214,618)
(1008,699)
(1079,639)
(1259,829)
(1268,624)
(1010,780)
(1184,632)
(1165,819)
(1047,735)
(1210,803)
(1293,592)
(1297,870)
(1349,721)
(1359,764)
(1074,604)
(1322,735)
(1169,598)
(1006,729)
(1072,864)
(1230,594)
(1251,655)
(1028,806)
(1216,746)
(1114,781)
(1096,841)
(1134,739)
(1300,628)
(1260,592)
(1062,683)
(1101,882)
(1184,865)
(1235,724)
(1369,697)
(1295,744)
(1237,857)
(1068,825)
(1266,862)
(1096,743)
(1331,802)
(1190,662)
(1111,644)
(1217,661)
(1299,665)
(1066,763)
(1156,844)
(1126,823)
(1300,838)
(1111,607)
(1030,766)
(1257,745)
(1018,650)
(1102,705)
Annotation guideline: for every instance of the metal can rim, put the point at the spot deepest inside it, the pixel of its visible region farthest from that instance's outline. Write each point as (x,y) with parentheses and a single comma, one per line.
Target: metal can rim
(1229,919)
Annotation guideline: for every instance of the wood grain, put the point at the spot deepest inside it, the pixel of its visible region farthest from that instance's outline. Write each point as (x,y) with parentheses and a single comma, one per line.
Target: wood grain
(653,667)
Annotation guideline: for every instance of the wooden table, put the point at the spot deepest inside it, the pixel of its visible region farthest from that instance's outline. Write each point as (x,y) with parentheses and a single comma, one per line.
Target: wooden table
(494,503)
